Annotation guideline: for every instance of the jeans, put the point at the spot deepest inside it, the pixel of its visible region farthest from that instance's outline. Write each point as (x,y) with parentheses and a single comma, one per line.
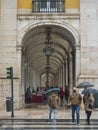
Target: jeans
(76,108)
(52,110)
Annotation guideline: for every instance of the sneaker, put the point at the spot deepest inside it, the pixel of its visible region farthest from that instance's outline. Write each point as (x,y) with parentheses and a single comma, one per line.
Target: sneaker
(54,121)
(48,123)
(74,123)
(88,123)
(78,123)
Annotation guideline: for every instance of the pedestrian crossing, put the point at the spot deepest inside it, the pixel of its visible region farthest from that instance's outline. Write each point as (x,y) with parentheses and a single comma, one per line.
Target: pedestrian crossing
(42,124)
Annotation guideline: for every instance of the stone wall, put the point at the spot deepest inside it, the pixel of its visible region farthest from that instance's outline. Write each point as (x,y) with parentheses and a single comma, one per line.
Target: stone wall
(89,40)
(9,54)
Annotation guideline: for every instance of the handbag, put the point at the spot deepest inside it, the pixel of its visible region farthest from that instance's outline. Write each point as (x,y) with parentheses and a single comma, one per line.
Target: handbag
(91,106)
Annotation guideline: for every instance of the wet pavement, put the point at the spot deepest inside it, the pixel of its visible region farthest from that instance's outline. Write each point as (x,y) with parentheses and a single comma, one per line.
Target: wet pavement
(32,119)
(35,124)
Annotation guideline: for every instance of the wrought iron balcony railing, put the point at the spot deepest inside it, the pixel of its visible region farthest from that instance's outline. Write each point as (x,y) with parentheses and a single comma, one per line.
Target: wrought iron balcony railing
(48,5)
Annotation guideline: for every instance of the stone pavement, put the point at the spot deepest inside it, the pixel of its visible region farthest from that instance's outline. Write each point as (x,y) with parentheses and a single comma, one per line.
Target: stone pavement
(37,119)
(43,114)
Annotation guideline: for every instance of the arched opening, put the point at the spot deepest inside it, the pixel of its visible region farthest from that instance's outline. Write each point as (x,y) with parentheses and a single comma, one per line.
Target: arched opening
(62,62)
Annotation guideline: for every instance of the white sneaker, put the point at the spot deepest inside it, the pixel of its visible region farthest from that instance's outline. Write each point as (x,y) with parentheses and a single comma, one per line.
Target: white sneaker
(54,121)
(74,123)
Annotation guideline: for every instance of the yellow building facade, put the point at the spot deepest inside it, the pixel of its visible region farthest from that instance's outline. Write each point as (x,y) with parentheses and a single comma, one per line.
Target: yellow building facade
(27,4)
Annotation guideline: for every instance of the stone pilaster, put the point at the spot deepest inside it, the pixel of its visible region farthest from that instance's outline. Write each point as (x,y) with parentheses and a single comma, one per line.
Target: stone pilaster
(89,40)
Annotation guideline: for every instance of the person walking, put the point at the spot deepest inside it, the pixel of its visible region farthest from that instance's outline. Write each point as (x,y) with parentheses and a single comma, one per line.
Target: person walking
(53,104)
(28,96)
(75,99)
(66,93)
(62,93)
(89,105)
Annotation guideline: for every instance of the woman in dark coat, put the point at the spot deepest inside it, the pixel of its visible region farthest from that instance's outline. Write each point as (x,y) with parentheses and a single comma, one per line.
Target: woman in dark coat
(88,99)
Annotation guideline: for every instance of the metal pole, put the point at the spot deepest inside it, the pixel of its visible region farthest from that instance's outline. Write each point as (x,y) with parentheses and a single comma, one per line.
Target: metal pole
(12,97)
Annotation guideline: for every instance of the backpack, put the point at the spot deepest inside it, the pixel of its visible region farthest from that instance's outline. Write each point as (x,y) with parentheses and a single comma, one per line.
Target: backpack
(91,105)
(53,101)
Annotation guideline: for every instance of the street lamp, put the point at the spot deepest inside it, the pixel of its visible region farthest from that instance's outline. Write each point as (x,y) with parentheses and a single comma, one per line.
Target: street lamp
(48,50)
(47,75)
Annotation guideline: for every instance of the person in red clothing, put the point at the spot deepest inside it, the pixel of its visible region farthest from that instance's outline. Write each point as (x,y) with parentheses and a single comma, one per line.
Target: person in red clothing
(62,93)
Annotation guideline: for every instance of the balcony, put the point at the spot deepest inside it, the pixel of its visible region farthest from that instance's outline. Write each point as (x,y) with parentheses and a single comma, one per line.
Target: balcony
(48,6)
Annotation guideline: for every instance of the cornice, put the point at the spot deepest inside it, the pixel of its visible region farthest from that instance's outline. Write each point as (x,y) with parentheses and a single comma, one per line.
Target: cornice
(21,16)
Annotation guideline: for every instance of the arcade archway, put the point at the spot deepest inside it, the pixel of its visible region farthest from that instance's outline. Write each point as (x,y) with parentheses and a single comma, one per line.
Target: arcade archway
(62,61)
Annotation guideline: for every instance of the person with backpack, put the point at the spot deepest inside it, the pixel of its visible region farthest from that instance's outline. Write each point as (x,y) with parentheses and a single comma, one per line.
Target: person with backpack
(53,104)
(89,106)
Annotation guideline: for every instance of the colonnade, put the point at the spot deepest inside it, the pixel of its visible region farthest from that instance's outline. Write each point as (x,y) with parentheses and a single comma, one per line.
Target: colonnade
(64,77)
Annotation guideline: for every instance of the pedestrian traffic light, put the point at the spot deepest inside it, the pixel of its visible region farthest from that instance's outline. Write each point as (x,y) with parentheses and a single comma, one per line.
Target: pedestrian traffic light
(9,72)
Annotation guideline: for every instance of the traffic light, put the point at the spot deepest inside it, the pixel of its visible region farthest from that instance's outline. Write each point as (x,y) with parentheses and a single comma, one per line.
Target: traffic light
(9,72)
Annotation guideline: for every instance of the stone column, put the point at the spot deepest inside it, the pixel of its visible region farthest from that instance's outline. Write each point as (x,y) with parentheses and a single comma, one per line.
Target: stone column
(62,76)
(65,74)
(20,89)
(77,63)
(70,72)
(73,73)
(59,77)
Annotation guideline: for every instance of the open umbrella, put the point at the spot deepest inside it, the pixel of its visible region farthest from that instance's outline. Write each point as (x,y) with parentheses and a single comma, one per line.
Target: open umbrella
(56,90)
(89,90)
(85,85)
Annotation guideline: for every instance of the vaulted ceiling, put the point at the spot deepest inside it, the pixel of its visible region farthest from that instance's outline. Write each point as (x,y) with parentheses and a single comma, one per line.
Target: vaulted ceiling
(34,42)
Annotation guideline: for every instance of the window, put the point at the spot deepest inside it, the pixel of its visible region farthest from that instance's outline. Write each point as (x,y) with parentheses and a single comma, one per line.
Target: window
(48,5)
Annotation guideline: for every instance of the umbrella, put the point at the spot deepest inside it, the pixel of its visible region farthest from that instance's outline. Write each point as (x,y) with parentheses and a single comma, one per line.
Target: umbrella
(89,90)
(57,90)
(85,85)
